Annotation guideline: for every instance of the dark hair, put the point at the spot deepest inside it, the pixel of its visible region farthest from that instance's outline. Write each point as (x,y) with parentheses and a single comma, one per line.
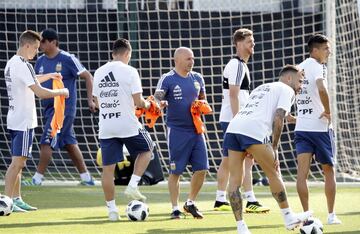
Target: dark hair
(29,36)
(316,40)
(241,34)
(289,68)
(120,46)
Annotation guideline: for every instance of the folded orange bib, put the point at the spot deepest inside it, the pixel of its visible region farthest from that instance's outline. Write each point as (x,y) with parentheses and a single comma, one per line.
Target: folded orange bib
(59,107)
(199,107)
(151,114)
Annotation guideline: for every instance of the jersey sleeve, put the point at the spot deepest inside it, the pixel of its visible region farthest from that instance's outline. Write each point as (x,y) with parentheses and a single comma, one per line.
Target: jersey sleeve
(286,99)
(202,83)
(95,90)
(235,72)
(163,84)
(317,71)
(135,85)
(75,66)
(27,74)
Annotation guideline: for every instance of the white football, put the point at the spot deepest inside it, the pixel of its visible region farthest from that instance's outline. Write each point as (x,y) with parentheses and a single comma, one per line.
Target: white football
(137,211)
(312,226)
(6,205)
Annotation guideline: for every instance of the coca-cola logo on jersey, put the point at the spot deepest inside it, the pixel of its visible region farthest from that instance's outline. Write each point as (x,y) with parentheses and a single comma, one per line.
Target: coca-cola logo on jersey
(110,93)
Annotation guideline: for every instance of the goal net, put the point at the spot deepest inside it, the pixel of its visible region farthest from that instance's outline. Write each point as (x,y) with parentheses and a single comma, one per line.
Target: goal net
(156,28)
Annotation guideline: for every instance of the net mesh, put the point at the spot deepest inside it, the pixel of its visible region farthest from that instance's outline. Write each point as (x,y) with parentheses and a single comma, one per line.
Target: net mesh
(156,28)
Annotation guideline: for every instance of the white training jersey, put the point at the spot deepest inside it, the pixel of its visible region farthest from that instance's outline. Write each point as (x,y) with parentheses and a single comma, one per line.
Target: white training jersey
(255,120)
(237,73)
(309,105)
(19,75)
(114,84)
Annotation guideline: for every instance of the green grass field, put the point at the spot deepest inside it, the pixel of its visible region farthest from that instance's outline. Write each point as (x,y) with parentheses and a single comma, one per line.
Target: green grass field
(81,210)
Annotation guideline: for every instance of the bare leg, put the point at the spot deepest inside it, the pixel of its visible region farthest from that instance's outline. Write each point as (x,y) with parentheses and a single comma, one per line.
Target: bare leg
(247,183)
(45,158)
(264,155)
(304,161)
(197,181)
(236,167)
(107,182)
(77,157)
(17,186)
(174,188)
(141,163)
(330,186)
(12,175)
(223,174)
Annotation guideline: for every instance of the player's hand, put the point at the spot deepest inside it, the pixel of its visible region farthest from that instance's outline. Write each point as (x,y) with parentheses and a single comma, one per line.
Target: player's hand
(65,92)
(276,163)
(291,119)
(163,104)
(92,106)
(56,76)
(325,115)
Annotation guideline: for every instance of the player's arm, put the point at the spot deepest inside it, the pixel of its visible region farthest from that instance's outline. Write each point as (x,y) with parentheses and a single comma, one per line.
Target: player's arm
(45,93)
(96,101)
(86,75)
(234,98)
(140,101)
(324,97)
(46,77)
(277,128)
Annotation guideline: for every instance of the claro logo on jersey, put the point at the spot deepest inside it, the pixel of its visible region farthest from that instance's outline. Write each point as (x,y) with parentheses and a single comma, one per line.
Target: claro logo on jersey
(108,81)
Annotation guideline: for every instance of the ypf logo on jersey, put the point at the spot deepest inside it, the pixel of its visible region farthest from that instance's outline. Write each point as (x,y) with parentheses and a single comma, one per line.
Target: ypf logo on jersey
(108,81)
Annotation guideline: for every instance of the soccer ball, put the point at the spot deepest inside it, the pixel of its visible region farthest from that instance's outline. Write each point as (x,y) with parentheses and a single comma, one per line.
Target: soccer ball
(6,205)
(137,211)
(312,226)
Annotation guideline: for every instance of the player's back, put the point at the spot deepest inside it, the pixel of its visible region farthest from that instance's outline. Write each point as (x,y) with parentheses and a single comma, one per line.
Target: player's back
(19,75)
(114,85)
(309,105)
(256,118)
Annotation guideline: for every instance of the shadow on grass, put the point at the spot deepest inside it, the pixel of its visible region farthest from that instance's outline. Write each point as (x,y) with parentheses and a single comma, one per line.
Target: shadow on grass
(56,223)
(345,232)
(351,213)
(207,230)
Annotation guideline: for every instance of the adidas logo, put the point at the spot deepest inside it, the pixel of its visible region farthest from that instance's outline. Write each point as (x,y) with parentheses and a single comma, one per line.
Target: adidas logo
(108,81)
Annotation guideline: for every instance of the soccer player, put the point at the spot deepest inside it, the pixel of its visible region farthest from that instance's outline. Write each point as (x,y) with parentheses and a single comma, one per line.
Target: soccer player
(21,84)
(236,85)
(180,88)
(117,87)
(56,60)
(313,130)
(248,132)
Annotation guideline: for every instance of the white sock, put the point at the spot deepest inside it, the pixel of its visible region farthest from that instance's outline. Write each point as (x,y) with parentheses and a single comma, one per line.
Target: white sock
(331,214)
(250,196)
(134,181)
(239,225)
(111,205)
(17,198)
(38,177)
(190,202)
(85,176)
(286,213)
(175,208)
(220,196)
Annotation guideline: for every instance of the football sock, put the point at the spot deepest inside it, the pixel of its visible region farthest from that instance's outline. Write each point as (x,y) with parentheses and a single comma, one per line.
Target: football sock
(111,205)
(286,213)
(134,181)
(250,196)
(38,177)
(85,176)
(17,198)
(221,196)
(189,202)
(175,208)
